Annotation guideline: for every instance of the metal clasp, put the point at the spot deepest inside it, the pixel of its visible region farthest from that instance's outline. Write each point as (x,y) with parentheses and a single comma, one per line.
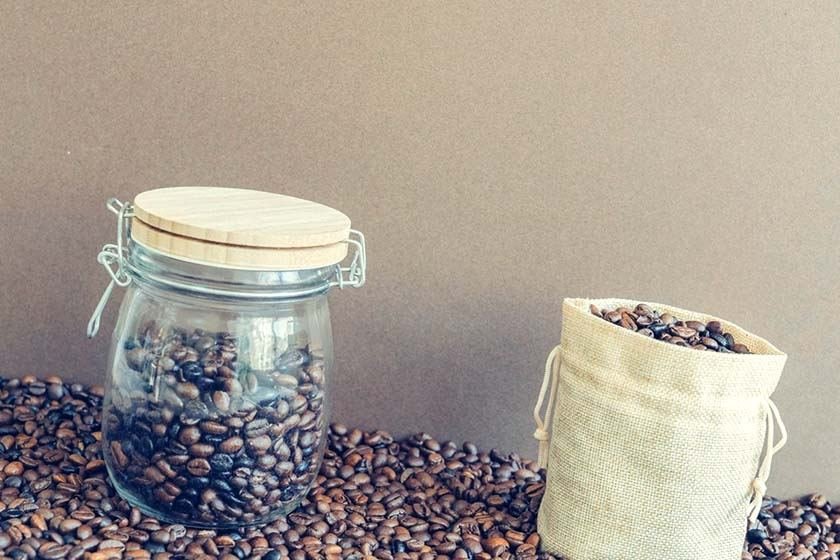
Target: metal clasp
(354,275)
(113,258)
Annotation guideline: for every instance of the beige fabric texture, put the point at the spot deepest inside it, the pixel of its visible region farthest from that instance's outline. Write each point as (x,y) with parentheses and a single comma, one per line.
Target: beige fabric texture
(653,447)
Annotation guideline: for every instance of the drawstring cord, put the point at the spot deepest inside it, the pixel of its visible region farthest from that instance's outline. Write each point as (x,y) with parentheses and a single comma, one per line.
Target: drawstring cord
(759,483)
(552,368)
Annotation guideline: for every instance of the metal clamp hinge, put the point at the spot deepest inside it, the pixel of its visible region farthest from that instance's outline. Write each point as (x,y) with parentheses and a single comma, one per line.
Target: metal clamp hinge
(113,258)
(353,276)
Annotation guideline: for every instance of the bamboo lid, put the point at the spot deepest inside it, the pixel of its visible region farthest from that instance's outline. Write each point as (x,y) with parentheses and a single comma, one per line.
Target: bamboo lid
(240,228)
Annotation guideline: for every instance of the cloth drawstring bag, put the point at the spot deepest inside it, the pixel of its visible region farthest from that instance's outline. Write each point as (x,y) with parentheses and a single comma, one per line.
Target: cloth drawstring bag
(653,451)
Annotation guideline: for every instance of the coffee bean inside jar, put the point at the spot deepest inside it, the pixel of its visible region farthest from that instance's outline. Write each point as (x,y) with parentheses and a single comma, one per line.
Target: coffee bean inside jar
(647,321)
(216,394)
(192,434)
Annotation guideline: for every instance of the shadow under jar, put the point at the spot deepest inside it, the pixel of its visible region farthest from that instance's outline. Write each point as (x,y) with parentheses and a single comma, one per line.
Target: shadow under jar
(217,393)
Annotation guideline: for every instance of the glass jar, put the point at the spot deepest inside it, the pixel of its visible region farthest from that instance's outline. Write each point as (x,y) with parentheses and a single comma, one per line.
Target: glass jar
(217,390)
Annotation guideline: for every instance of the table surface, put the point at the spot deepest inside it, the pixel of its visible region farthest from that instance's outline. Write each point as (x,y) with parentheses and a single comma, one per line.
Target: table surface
(374,498)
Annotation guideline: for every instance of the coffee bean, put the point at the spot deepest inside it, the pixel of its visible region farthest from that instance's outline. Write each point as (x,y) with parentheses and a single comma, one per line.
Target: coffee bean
(198,467)
(204,343)
(53,551)
(232,386)
(221,462)
(291,360)
(613,316)
(696,325)
(231,445)
(740,349)
(119,455)
(136,358)
(202,450)
(286,380)
(690,334)
(709,342)
(213,427)
(249,383)
(719,339)
(154,474)
(683,332)
(222,400)
(14,468)
(257,428)
(259,444)
(187,390)
(166,468)
(194,411)
(69,525)
(189,435)
(55,391)
(627,322)
(259,456)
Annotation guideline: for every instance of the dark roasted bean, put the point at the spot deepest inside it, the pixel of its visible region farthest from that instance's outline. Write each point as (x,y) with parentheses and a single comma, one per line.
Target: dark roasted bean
(203,423)
(478,505)
(691,334)
(198,467)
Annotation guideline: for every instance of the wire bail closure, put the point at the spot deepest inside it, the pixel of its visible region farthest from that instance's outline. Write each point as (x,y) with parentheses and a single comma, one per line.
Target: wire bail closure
(113,258)
(356,273)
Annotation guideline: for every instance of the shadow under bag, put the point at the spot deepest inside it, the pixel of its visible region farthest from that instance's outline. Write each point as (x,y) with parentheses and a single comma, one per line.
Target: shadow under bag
(655,449)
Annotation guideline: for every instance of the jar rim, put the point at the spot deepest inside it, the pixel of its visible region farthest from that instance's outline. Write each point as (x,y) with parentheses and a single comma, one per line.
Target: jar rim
(145,264)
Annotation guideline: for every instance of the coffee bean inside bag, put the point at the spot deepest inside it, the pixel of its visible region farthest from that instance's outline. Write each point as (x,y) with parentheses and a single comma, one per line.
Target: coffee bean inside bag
(655,447)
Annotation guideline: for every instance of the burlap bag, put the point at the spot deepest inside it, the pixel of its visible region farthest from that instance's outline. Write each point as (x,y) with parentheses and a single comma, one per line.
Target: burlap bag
(654,449)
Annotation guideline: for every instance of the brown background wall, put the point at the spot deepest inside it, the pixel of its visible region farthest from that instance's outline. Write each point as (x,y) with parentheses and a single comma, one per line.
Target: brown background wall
(498,158)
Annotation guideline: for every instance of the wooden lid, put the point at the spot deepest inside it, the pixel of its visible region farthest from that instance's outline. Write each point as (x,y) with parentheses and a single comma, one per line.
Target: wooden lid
(240,228)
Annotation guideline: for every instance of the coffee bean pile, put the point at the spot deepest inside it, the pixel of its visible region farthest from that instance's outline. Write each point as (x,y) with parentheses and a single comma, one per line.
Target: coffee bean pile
(375,497)
(664,326)
(192,435)
(796,529)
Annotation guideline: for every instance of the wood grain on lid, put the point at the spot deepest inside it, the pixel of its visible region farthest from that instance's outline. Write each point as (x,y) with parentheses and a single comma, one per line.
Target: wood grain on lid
(241,217)
(236,256)
(240,228)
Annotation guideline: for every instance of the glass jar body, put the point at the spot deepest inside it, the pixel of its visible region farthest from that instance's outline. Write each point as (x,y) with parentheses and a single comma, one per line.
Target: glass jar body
(216,408)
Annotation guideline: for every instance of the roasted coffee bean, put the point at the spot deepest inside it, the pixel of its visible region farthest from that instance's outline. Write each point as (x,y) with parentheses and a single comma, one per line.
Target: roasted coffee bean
(187,391)
(154,475)
(709,343)
(291,360)
(257,428)
(690,334)
(212,427)
(194,411)
(719,339)
(189,435)
(201,450)
(258,445)
(231,445)
(199,467)
(221,462)
(476,505)
(697,326)
(222,400)
(206,419)
(55,391)
(683,332)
